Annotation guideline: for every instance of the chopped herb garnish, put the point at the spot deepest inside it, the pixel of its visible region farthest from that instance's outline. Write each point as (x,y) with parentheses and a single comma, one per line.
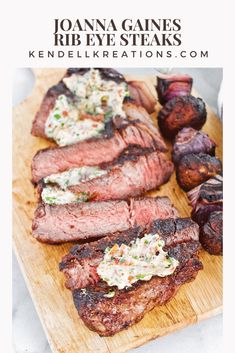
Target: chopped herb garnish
(110,294)
(140,276)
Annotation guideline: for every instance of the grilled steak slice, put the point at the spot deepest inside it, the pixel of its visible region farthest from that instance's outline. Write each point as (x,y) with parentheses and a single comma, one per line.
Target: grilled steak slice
(79,266)
(132,178)
(108,316)
(171,86)
(180,112)
(211,234)
(140,114)
(189,140)
(70,222)
(142,96)
(38,126)
(193,169)
(206,198)
(123,136)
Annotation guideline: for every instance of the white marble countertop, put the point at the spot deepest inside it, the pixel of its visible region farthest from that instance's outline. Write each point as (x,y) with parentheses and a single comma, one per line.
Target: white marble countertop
(28,335)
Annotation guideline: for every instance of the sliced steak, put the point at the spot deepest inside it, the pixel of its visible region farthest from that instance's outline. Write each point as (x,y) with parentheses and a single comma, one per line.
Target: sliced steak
(143,211)
(206,198)
(180,112)
(95,151)
(79,266)
(108,316)
(189,140)
(38,126)
(170,86)
(142,95)
(211,234)
(70,222)
(131,178)
(193,169)
(140,114)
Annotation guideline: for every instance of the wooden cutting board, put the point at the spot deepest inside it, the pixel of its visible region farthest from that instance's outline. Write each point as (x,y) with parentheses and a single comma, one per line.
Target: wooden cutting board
(65,331)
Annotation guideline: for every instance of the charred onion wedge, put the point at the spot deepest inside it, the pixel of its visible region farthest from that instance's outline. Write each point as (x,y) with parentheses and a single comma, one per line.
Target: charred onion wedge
(171,86)
(180,112)
(193,169)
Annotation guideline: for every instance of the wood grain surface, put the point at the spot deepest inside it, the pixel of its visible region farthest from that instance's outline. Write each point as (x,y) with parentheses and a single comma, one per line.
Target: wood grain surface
(65,331)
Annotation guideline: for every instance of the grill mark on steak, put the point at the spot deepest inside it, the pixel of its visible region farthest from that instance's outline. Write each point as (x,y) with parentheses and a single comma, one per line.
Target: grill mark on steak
(108,316)
(81,263)
(70,222)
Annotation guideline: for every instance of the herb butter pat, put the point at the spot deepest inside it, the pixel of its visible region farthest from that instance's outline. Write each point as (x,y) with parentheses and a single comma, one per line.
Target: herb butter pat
(56,193)
(55,196)
(74,176)
(65,125)
(124,265)
(95,102)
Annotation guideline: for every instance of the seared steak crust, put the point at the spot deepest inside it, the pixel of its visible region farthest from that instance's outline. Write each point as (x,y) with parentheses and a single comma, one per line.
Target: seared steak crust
(106,73)
(179,112)
(107,316)
(70,222)
(194,169)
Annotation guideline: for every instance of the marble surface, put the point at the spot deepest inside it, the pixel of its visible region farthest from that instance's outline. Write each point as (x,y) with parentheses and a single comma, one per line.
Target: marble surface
(28,335)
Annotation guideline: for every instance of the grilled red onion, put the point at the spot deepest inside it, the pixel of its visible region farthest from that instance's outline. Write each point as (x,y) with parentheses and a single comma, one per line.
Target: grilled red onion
(189,140)
(180,112)
(206,198)
(172,86)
